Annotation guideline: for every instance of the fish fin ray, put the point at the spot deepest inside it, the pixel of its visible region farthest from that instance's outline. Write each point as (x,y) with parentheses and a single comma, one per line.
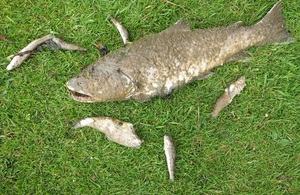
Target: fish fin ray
(142,97)
(275,26)
(205,75)
(180,25)
(240,57)
(236,25)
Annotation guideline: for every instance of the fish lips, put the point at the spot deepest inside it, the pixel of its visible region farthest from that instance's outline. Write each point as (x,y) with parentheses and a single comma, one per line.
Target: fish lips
(80,95)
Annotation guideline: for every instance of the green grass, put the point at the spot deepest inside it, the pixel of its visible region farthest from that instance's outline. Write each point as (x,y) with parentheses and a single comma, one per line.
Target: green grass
(241,152)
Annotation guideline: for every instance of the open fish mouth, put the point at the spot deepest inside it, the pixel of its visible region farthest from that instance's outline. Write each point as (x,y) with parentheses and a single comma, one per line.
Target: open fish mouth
(80,96)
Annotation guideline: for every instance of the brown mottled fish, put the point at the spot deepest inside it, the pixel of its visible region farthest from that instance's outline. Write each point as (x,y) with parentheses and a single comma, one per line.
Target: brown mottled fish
(230,92)
(158,64)
(114,129)
(170,155)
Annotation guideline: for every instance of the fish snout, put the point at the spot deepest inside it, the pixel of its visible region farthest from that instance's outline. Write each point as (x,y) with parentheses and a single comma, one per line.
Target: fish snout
(79,91)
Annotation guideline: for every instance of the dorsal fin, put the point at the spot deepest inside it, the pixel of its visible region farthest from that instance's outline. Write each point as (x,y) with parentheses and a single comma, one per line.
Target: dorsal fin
(180,25)
(236,25)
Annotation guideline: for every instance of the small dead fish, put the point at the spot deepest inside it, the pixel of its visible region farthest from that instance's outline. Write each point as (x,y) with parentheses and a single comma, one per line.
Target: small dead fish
(122,30)
(170,155)
(227,97)
(115,130)
(18,58)
(159,64)
(67,46)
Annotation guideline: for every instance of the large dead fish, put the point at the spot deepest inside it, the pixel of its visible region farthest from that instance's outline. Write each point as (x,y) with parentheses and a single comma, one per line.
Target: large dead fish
(158,64)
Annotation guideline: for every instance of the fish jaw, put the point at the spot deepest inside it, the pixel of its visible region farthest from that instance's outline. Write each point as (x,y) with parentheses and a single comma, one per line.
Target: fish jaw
(79,95)
(101,84)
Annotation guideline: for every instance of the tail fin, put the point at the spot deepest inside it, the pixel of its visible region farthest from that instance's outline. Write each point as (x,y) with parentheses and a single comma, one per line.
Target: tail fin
(274,26)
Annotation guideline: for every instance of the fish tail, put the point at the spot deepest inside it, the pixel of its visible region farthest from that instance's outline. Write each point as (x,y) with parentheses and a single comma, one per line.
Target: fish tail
(274,27)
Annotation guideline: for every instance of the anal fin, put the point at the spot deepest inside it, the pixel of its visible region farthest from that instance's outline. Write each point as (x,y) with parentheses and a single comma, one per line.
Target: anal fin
(205,75)
(240,57)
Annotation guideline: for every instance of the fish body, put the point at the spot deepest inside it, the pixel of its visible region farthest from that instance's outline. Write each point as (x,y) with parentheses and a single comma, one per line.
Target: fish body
(49,41)
(230,92)
(158,64)
(18,59)
(170,155)
(115,130)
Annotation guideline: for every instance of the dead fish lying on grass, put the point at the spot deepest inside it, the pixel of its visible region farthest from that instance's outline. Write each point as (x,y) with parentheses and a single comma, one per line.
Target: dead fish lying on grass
(230,92)
(158,64)
(170,155)
(115,130)
(48,41)
(122,30)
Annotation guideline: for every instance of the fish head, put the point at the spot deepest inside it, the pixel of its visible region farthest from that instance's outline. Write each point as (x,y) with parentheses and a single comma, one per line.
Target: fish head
(101,84)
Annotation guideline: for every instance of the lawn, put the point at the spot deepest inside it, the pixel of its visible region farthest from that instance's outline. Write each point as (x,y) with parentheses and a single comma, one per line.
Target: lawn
(253,147)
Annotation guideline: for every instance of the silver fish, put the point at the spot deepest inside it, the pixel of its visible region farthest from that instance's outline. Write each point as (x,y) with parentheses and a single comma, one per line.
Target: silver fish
(170,155)
(115,130)
(158,64)
(20,57)
(230,92)
(67,46)
(122,30)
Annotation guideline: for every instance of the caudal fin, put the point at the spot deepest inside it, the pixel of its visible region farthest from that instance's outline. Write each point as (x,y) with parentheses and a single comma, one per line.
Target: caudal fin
(274,26)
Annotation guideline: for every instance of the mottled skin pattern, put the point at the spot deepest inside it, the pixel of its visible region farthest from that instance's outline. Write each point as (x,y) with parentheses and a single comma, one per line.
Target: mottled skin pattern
(158,64)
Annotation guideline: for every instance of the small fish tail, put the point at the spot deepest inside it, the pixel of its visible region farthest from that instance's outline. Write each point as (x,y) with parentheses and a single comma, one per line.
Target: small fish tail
(172,178)
(274,26)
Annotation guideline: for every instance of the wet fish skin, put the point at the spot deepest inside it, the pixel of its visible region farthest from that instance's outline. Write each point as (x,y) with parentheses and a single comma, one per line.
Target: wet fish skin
(230,92)
(158,64)
(115,130)
(170,154)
